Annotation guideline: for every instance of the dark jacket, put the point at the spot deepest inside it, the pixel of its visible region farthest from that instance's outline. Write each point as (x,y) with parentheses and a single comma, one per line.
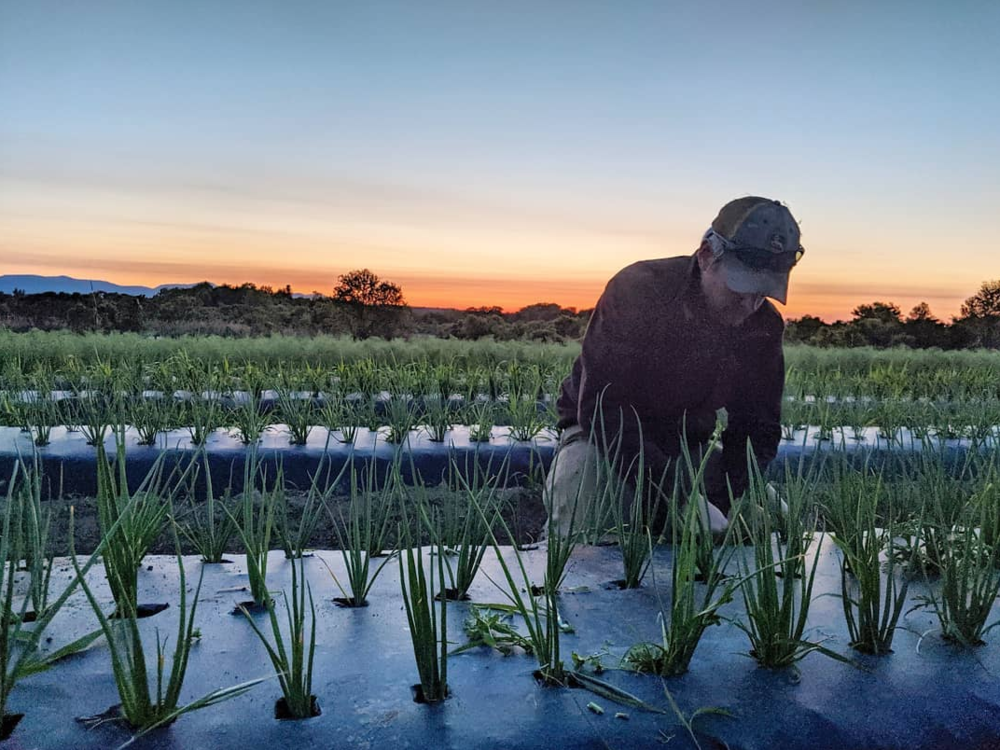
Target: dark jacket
(653,345)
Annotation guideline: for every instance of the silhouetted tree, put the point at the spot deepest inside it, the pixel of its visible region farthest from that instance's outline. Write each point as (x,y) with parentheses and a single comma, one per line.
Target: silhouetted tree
(979,320)
(926,330)
(804,329)
(374,307)
(985,302)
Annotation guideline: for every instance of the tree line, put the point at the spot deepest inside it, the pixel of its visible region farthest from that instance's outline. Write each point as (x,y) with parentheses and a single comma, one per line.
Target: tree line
(363,305)
(882,324)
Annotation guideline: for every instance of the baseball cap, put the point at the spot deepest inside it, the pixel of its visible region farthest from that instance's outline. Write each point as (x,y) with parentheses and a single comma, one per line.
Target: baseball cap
(762,246)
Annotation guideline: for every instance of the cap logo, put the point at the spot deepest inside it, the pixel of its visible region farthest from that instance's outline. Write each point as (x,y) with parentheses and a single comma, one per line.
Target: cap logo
(777,243)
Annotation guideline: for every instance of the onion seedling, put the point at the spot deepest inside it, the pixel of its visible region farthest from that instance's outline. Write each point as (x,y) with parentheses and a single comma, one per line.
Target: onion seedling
(525,420)
(33,529)
(428,621)
(202,415)
(693,608)
(540,618)
(481,415)
(210,528)
(292,659)
(361,534)
(871,608)
(41,409)
(142,709)
(970,581)
(257,522)
(130,522)
(402,417)
(437,417)
(298,411)
(149,416)
(633,499)
(19,646)
(464,532)
(295,540)
(250,419)
(777,608)
(341,414)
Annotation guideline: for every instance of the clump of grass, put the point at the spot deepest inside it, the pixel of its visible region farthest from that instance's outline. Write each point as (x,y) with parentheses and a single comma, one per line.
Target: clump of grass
(871,608)
(428,621)
(298,412)
(361,534)
(33,523)
(142,709)
(465,532)
(210,527)
(699,586)
(250,419)
(292,659)
(256,522)
(970,581)
(295,539)
(130,522)
(341,416)
(19,646)
(777,590)
(437,417)
(481,416)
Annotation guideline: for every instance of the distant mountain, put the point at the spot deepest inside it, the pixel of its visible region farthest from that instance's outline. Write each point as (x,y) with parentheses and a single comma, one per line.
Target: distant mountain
(32,284)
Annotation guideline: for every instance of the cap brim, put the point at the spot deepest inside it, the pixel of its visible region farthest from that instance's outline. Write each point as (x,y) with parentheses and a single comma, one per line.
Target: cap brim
(745,280)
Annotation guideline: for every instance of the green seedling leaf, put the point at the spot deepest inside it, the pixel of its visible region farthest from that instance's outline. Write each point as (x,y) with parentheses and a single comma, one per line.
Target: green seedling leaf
(35,663)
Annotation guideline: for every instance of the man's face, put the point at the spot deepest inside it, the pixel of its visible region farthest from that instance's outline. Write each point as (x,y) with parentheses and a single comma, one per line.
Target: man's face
(732,307)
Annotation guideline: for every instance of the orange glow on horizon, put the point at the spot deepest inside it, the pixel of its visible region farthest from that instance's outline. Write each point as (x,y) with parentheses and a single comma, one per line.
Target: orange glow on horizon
(510,294)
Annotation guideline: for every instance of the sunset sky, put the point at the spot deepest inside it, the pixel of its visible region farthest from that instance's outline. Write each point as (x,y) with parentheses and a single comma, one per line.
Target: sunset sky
(485,153)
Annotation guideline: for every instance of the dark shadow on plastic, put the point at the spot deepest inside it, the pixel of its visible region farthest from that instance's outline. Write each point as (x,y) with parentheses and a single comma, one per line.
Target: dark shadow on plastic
(618,584)
(282,713)
(418,695)
(347,602)
(145,610)
(252,607)
(8,724)
(452,595)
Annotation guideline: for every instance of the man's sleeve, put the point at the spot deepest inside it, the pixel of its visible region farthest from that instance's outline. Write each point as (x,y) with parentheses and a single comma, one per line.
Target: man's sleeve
(613,385)
(754,413)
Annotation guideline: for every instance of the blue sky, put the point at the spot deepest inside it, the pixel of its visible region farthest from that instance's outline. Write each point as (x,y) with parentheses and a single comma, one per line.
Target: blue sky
(509,152)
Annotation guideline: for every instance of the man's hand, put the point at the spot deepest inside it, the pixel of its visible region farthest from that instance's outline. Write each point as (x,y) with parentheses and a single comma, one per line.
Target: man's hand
(709,516)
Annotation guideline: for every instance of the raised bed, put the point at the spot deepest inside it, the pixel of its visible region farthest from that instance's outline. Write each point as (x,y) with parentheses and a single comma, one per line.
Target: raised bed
(937,697)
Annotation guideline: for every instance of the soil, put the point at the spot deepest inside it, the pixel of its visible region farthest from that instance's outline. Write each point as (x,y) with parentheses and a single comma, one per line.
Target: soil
(523,512)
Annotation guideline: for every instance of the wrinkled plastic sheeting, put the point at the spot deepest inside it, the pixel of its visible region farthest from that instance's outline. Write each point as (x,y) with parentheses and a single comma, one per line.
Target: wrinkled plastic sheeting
(937,698)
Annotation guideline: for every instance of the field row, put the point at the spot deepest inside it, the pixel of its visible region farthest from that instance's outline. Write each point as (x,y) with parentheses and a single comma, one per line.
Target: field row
(62,361)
